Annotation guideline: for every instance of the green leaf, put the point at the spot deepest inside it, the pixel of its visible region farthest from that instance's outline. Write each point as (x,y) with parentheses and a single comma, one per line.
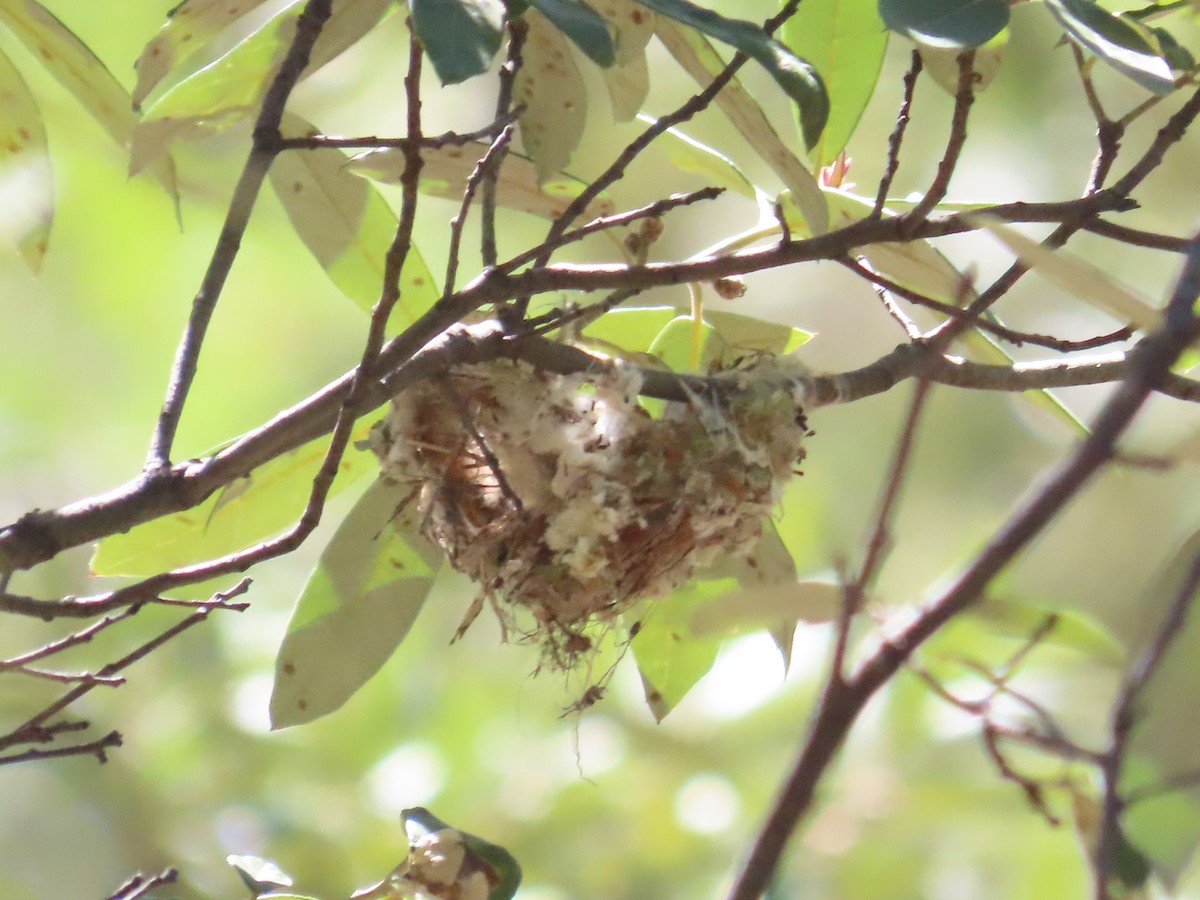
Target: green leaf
(229,88)
(82,73)
(690,155)
(583,25)
(687,346)
(26,179)
(1127,46)
(845,41)
(348,227)
(191,23)
(460,36)
(231,85)
(553,94)
(697,56)
(946,23)
(747,334)
(1072,274)
(446,171)
(670,657)
(358,605)
(755,607)
(265,502)
(796,76)
(632,330)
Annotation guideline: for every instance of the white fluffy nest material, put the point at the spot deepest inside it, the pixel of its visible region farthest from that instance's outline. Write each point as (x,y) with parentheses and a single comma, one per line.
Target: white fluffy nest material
(570,501)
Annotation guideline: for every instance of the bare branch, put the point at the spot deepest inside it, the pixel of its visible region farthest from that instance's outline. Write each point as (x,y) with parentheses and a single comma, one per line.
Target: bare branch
(262,154)
(841,703)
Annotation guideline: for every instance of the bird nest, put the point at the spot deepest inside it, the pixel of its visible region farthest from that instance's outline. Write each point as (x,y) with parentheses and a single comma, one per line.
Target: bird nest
(568,501)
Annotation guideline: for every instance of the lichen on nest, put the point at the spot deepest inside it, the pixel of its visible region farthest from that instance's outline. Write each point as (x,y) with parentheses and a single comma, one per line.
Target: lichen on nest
(566,500)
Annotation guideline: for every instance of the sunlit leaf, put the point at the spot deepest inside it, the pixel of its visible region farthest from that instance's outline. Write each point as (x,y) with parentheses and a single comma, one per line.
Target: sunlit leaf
(796,76)
(583,25)
(1125,45)
(769,596)
(82,73)
(460,36)
(676,345)
(348,227)
(552,91)
(267,501)
(946,23)
(26,179)
(230,87)
(446,171)
(632,330)
(698,58)
(189,25)
(747,334)
(763,606)
(628,79)
(670,657)
(845,41)
(690,155)
(1072,274)
(259,874)
(358,605)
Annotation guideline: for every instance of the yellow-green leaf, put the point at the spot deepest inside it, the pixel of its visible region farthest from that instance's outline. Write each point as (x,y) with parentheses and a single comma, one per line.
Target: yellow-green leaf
(189,25)
(358,605)
(82,73)
(698,58)
(249,510)
(348,227)
(670,657)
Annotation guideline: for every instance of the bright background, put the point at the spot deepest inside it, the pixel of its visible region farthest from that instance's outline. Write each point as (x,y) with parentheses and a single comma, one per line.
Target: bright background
(608,805)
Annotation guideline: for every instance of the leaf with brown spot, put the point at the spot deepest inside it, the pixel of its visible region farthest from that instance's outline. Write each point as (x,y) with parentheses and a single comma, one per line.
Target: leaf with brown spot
(191,22)
(365,593)
(82,73)
(347,226)
(26,179)
(552,91)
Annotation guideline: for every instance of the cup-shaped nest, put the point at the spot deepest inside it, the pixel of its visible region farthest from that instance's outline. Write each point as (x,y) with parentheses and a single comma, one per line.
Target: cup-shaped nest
(568,500)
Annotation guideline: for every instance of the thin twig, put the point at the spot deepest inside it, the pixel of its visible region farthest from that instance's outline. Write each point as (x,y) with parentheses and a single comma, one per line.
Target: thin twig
(437,142)
(896,138)
(842,702)
(964,98)
(262,154)
(1124,718)
(484,170)
(140,886)
(518,30)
